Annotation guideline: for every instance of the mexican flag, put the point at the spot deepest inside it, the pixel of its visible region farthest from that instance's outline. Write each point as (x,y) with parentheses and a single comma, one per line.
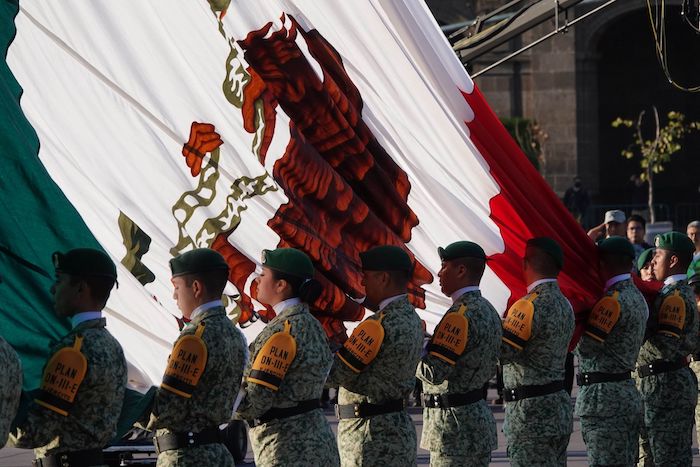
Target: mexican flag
(148,128)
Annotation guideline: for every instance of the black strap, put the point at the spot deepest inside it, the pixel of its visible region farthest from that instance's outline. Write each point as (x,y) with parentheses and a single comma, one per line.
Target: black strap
(661,366)
(443,401)
(594,377)
(86,458)
(187,439)
(365,409)
(536,390)
(278,413)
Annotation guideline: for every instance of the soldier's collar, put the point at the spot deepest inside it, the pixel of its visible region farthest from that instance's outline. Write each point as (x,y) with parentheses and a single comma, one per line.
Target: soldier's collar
(539,282)
(675,278)
(615,279)
(78,318)
(284,304)
(459,292)
(387,301)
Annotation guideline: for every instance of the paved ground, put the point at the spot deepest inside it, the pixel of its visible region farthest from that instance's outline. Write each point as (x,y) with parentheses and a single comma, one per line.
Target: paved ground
(10,457)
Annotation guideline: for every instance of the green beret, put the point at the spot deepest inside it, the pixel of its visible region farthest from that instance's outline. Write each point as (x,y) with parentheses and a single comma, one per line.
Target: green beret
(461,249)
(289,261)
(197,261)
(616,246)
(86,262)
(386,258)
(550,247)
(677,243)
(645,257)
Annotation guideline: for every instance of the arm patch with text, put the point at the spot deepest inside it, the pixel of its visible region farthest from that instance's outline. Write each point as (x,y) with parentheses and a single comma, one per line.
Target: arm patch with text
(186,364)
(363,345)
(672,315)
(273,360)
(450,337)
(63,375)
(517,327)
(603,317)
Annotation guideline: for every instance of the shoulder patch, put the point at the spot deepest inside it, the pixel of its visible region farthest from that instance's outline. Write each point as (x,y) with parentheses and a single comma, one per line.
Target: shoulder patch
(186,364)
(450,337)
(63,375)
(517,327)
(603,317)
(363,345)
(273,360)
(672,315)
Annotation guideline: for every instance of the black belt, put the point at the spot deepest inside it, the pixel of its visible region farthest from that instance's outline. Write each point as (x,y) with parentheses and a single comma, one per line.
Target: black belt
(535,390)
(86,458)
(187,439)
(660,366)
(365,409)
(443,401)
(584,379)
(277,413)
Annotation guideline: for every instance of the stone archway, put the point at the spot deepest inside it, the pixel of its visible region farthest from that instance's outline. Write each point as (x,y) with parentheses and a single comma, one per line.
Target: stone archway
(618,74)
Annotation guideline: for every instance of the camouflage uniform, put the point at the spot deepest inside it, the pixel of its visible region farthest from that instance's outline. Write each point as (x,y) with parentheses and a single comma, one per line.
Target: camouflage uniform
(300,440)
(668,398)
(537,429)
(212,400)
(463,435)
(92,420)
(10,387)
(387,439)
(610,412)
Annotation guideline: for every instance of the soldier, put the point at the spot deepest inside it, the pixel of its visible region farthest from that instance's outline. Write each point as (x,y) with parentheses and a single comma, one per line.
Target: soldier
(376,367)
(10,387)
(694,283)
(608,403)
(204,369)
(75,413)
(667,386)
(644,270)
(458,426)
(536,335)
(288,364)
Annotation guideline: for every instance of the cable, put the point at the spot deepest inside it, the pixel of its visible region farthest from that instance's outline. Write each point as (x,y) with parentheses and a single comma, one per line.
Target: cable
(658,29)
(685,13)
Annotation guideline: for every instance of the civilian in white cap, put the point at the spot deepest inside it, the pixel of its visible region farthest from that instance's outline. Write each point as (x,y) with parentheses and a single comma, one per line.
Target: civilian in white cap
(613,225)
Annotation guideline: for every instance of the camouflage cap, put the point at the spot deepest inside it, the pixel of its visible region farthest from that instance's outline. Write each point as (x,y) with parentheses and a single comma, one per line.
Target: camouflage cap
(386,258)
(677,243)
(196,261)
(549,246)
(289,261)
(616,246)
(645,257)
(85,262)
(461,249)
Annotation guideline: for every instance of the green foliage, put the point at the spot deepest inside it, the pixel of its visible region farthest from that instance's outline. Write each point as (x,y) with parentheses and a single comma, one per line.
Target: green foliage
(655,152)
(529,136)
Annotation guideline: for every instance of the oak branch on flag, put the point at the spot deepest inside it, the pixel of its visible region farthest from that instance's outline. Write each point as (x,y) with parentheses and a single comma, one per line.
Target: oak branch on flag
(330,127)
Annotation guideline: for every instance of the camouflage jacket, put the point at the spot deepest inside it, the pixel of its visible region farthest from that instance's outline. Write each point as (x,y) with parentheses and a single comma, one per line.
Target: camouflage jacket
(470,428)
(92,421)
(540,361)
(671,346)
(615,353)
(212,399)
(392,373)
(307,372)
(10,387)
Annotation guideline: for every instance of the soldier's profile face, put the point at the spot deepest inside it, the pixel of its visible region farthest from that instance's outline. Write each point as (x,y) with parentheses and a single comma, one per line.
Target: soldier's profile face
(65,291)
(661,264)
(373,282)
(266,291)
(183,294)
(447,274)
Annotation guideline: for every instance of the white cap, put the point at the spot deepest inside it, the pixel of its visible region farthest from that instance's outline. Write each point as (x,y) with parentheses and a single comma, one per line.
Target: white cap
(615,216)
